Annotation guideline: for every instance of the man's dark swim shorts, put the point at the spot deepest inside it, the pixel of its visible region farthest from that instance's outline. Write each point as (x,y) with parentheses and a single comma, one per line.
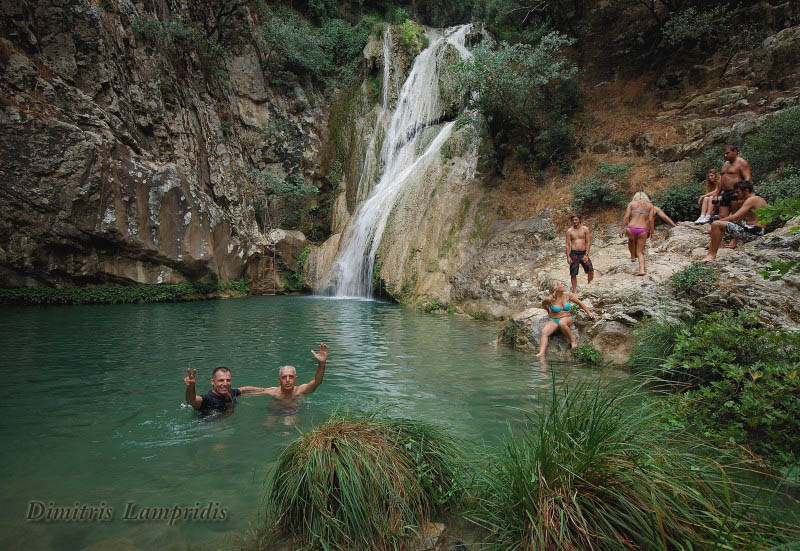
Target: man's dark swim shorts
(578,259)
(727,197)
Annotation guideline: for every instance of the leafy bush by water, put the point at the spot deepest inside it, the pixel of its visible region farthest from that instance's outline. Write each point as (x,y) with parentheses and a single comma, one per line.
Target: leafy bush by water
(740,379)
(363,482)
(653,344)
(743,382)
(587,353)
(592,468)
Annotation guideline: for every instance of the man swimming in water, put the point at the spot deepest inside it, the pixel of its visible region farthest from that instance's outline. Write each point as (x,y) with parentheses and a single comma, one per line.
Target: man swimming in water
(222,397)
(287,377)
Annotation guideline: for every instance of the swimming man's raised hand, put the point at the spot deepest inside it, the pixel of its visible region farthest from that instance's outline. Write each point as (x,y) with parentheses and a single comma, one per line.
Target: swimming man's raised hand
(191,377)
(322,354)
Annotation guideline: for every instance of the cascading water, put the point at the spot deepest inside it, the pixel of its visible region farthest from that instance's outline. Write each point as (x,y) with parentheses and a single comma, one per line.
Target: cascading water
(418,107)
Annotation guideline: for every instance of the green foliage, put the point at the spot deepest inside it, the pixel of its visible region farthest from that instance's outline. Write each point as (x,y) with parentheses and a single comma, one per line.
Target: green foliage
(710,158)
(595,193)
(775,145)
(433,306)
(603,188)
(587,353)
(614,172)
(653,344)
(592,467)
(444,13)
(364,481)
(398,15)
(679,201)
(697,272)
(294,281)
(411,37)
(781,210)
(693,26)
(527,93)
(120,294)
(786,187)
(291,192)
(178,36)
(743,383)
(328,55)
(480,316)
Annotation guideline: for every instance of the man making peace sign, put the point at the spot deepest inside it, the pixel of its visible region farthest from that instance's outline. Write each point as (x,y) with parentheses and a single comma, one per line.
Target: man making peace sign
(223,397)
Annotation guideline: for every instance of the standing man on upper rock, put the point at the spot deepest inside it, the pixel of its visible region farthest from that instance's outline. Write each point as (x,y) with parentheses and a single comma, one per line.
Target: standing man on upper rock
(735,169)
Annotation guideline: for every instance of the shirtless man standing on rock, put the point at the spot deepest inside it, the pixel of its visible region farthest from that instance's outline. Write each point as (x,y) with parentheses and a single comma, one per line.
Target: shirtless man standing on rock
(579,241)
(734,170)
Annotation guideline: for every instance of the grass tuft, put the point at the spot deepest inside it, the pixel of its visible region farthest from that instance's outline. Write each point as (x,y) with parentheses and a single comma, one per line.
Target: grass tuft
(591,470)
(363,481)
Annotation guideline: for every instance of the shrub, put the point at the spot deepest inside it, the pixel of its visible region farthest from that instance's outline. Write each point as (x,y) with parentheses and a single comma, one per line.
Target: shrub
(679,201)
(294,281)
(411,37)
(595,193)
(587,353)
(653,344)
(363,482)
(527,93)
(743,381)
(775,145)
(697,272)
(593,468)
(328,55)
(691,27)
(785,187)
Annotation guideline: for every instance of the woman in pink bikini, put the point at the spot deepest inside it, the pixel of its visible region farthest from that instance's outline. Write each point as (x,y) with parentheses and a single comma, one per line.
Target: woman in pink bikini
(638,224)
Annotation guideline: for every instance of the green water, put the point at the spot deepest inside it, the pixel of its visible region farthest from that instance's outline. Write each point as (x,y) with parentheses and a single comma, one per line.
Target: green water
(93,410)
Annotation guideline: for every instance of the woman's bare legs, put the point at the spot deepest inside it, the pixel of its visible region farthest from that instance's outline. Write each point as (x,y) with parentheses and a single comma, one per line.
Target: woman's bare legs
(548,329)
(708,207)
(641,241)
(564,324)
(631,245)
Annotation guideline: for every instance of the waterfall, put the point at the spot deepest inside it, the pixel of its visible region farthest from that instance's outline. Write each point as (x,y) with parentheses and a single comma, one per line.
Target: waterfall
(417,108)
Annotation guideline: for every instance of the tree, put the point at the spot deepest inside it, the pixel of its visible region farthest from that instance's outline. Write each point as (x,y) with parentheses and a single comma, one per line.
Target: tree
(527,93)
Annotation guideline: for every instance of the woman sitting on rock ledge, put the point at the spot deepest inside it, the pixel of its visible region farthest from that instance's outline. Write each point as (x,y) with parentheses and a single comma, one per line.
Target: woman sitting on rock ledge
(557,306)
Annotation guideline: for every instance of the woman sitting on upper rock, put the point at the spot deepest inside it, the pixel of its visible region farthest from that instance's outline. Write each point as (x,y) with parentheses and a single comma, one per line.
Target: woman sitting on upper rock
(707,201)
(638,224)
(557,306)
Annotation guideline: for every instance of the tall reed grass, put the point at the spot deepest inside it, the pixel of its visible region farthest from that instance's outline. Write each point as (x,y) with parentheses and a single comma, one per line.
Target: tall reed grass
(364,481)
(592,469)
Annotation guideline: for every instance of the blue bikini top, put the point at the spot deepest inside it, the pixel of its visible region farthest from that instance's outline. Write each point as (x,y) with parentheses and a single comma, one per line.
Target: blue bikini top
(559,308)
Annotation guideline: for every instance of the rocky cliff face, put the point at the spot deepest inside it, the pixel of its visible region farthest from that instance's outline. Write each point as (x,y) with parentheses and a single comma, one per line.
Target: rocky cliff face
(121,163)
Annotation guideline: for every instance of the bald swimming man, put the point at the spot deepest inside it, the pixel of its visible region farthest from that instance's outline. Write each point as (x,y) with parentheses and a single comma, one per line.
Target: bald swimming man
(287,377)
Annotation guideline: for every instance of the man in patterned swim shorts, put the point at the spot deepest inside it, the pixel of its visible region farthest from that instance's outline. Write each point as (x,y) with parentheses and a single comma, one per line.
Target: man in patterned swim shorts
(579,241)
(742,225)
